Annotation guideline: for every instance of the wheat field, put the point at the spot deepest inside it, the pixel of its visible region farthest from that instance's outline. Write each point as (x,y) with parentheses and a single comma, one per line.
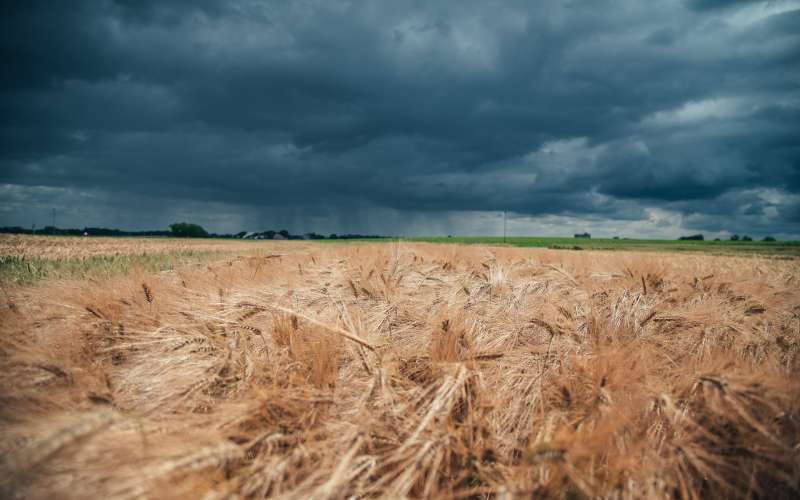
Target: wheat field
(406,370)
(26,259)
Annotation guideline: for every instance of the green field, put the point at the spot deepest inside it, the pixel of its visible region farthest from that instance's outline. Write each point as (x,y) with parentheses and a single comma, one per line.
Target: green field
(777,248)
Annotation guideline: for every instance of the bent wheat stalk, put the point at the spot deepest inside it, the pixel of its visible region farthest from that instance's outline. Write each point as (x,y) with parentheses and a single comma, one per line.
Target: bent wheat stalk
(335,329)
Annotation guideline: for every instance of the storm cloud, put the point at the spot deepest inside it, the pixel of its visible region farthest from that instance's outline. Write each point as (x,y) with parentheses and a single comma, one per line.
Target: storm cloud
(617,117)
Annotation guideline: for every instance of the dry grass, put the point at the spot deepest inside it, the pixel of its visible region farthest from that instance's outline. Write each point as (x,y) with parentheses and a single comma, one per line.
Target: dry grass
(411,370)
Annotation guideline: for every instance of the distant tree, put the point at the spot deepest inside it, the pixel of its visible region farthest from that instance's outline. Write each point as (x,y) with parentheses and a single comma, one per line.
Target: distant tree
(716,239)
(746,238)
(768,238)
(15,230)
(333,236)
(694,237)
(583,235)
(187,230)
(284,233)
(735,237)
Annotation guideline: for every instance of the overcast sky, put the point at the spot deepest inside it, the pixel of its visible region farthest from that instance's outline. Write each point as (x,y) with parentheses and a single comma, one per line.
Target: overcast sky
(630,118)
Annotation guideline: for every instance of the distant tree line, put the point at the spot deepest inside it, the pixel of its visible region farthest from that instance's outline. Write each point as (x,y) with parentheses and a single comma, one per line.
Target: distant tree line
(286,235)
(735,237)
(90,231)
(190,230)
(181,230)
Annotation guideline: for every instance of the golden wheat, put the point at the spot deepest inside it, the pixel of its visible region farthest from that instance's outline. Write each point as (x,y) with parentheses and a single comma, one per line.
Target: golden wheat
(407,370)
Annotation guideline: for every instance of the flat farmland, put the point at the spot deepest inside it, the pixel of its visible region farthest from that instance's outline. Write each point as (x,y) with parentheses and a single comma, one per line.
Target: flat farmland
(786,249)
(230,369)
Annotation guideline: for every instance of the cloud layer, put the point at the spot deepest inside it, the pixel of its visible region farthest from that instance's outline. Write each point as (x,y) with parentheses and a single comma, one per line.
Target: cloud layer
(404,117)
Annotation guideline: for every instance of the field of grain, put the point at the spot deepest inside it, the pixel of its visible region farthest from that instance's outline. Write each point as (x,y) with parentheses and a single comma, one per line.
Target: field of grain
(28,259)
(304,370)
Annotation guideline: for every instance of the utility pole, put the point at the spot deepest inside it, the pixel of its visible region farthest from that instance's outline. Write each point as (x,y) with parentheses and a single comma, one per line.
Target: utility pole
(504,226)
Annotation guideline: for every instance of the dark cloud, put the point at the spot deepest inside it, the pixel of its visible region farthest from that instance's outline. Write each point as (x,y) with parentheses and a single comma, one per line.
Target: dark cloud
(716,4)
(317,114)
